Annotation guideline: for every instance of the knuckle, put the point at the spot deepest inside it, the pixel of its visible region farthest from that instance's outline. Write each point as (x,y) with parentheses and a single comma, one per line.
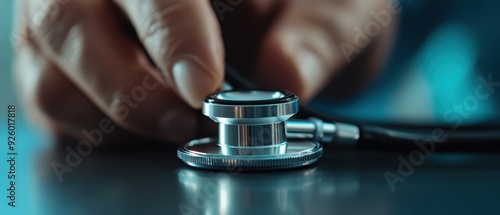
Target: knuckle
(155,17)
(50,22)
(157,27)
(121,110)
(117,111)
(137,109)
(22,37)
(55,23)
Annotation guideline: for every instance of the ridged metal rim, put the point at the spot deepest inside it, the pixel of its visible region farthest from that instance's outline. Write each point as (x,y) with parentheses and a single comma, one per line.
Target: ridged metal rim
(249,162)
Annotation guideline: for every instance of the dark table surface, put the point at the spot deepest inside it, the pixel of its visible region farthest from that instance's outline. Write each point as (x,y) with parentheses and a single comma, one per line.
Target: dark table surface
(151,180)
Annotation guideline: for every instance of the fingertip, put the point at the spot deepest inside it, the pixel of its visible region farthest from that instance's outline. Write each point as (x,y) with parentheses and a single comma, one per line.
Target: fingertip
(296,61)
(183,39)
(194,80)
(311,70)
(277,66)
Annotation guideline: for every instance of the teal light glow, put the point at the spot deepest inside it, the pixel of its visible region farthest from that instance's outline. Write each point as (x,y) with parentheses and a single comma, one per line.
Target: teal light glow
(447,59)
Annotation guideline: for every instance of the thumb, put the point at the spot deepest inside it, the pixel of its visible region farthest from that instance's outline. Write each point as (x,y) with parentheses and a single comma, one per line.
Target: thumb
(183,39)
(301,51)
(298,56)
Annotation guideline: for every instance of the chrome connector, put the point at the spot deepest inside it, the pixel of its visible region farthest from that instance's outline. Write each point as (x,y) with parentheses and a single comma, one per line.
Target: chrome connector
(316,129)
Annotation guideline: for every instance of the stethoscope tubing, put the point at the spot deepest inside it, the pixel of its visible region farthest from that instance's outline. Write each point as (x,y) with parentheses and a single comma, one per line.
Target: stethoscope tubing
(396,137)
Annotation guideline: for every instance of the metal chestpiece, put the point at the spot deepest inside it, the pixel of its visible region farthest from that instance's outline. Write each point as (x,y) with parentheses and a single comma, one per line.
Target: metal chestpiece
(252,133)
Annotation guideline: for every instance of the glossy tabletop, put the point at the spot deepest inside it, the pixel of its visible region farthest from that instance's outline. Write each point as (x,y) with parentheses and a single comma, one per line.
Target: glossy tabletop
(151,180)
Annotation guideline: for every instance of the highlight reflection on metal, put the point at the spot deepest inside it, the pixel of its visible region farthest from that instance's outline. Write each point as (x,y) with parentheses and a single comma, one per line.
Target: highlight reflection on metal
(253,133)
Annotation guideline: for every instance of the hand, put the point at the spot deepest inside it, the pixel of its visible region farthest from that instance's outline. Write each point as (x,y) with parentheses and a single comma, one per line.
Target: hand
(147,65)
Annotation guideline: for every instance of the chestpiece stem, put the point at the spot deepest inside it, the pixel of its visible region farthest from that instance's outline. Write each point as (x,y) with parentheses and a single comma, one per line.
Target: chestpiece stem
(231,135)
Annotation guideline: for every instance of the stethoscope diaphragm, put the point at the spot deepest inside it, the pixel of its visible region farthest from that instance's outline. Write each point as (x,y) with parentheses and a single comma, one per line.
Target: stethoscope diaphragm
(252,133)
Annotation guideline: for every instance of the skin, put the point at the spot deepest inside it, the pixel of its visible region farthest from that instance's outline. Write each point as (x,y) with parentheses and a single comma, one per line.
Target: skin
(84,60)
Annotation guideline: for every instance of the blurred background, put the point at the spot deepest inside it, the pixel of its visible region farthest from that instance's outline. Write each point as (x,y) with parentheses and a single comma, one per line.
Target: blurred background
(6,91)
(441,49)
(29,140)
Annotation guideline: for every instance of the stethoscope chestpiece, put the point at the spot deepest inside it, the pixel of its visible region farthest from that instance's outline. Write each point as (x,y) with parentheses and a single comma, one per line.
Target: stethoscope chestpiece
(252,133)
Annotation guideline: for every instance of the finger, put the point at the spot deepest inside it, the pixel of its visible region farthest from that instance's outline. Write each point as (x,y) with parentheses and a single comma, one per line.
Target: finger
(51,99)
(301,51)
(183,38)
(85,38)
(61,108)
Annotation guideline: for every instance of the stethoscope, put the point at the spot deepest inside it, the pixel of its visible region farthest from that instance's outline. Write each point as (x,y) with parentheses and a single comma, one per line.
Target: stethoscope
(256,132)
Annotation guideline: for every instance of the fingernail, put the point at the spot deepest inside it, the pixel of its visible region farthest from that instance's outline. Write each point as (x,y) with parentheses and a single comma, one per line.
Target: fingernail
(192,80)
(311,70)
(179,125)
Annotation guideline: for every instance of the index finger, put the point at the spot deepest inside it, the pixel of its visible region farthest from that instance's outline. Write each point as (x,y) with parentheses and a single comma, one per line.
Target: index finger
(183,38)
